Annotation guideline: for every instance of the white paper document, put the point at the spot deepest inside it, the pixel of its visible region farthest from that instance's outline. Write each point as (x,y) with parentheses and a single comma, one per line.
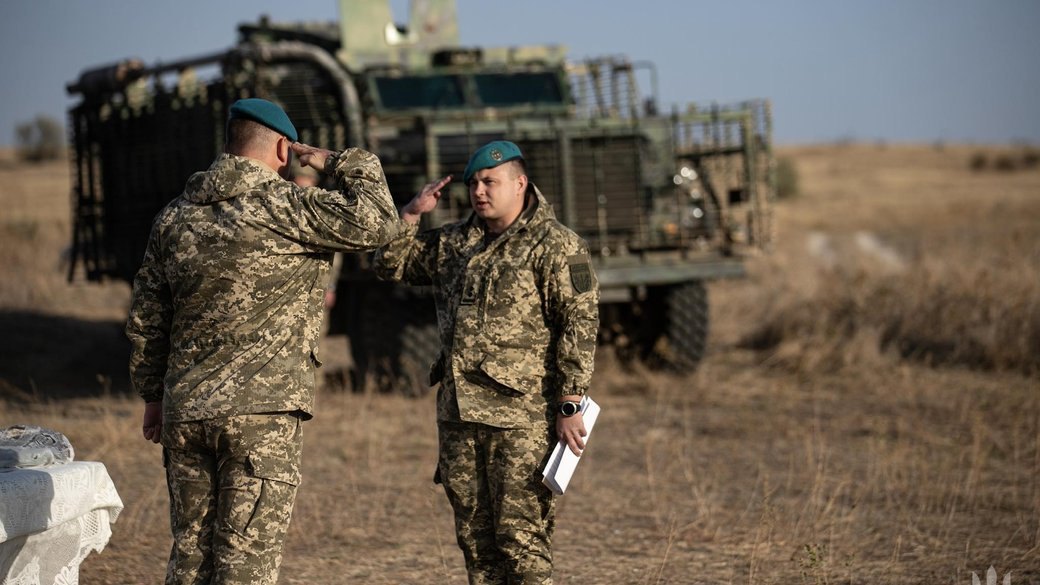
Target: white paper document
(562,463)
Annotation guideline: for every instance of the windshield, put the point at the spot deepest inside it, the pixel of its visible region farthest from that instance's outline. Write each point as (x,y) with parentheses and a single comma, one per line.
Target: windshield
(432,91)
(503,89)
(463,90)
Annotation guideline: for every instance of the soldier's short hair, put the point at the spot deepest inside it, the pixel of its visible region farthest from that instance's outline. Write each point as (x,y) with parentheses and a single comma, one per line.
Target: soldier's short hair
(518,166)
(245,134)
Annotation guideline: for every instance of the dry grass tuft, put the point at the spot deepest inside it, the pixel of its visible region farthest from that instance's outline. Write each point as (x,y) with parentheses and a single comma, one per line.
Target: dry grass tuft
(983,313)
(960,288)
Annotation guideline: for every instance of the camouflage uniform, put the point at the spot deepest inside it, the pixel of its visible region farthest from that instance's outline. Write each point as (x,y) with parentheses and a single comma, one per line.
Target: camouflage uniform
(518,317)
(224,327)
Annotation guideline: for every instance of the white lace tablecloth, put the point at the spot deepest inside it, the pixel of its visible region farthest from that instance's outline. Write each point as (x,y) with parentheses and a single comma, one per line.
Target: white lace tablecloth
(51,518)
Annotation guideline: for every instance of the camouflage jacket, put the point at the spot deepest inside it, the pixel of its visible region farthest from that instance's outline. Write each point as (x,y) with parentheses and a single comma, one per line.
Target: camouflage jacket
(518,317)
(227,305)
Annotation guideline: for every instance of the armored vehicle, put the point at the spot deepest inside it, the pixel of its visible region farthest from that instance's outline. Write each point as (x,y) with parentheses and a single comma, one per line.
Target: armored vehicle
(666,199)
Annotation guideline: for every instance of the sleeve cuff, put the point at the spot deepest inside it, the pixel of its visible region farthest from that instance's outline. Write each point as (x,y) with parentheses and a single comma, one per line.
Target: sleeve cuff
(574,391)
(331,162)
(152,396)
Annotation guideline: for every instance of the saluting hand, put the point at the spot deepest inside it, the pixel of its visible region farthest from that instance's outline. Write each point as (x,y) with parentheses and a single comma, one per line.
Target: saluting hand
(311,156)
(425,201)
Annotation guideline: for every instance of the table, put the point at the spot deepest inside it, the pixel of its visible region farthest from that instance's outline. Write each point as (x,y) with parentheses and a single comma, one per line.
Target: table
(51,518)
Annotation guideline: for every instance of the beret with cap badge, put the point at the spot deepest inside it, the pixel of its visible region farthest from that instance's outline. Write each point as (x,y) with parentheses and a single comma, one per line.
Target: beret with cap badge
(490,156)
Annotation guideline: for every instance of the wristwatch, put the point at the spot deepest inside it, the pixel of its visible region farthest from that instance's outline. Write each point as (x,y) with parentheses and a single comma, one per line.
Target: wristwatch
(570,408)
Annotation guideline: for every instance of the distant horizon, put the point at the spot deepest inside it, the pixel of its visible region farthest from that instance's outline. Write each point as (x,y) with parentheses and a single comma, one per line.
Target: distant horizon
(10,150)
(925,71)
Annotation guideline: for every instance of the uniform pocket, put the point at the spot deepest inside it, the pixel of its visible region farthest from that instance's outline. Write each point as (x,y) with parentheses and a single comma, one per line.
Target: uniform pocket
(509,377)
(273,468)
(255,502)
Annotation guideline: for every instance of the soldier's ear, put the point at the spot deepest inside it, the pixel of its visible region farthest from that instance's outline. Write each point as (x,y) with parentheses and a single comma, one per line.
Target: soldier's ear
(521,183)
(284,150)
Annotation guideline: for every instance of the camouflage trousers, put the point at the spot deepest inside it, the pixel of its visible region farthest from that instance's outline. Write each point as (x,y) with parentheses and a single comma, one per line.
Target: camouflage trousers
(232,485)
(504,516)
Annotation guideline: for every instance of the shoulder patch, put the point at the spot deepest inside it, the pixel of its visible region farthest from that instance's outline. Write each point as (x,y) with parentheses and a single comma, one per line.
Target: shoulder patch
(581,272)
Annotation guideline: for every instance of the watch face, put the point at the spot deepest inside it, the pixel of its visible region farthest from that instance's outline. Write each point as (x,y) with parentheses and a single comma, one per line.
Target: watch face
(569,408)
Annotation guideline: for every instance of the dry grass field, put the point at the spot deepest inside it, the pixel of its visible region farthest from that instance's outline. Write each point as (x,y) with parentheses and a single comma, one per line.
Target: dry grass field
(869,411)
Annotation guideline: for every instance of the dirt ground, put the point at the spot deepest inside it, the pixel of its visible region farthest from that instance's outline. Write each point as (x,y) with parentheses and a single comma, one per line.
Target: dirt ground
(868,412)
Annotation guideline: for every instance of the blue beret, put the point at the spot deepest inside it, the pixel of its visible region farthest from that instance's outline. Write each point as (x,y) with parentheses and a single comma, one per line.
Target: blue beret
(266,113)
(490,156)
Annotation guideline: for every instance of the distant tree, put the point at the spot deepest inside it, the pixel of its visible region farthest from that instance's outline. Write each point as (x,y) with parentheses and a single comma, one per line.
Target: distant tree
(41,139)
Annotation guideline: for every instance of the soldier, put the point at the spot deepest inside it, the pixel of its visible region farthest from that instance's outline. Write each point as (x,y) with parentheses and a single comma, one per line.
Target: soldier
(517,310)
(224,327)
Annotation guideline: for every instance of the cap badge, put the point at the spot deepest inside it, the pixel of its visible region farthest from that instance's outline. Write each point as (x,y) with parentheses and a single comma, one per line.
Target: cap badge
(496,154)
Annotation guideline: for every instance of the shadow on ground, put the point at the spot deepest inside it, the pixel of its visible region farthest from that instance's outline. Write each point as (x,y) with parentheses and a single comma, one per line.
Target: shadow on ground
(51,356)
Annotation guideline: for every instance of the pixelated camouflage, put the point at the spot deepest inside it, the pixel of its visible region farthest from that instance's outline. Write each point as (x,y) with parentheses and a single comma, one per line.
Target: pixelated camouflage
(516,333)
(227,306)
(254,460)
(504,527)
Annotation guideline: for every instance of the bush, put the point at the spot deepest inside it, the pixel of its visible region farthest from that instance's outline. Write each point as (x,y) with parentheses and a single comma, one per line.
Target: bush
(978,161)
(786,178)
(41,139)
(1030,158)
(1004,162)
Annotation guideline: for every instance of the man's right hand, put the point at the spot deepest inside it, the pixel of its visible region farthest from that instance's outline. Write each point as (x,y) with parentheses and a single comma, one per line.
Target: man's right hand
(425,201)
(311,156)
(152,425)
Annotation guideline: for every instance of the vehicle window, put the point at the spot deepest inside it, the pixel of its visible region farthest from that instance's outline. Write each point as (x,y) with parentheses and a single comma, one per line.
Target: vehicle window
(432,91)
(502,89)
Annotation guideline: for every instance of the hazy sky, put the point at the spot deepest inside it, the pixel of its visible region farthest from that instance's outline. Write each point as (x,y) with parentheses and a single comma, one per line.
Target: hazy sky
(894,70)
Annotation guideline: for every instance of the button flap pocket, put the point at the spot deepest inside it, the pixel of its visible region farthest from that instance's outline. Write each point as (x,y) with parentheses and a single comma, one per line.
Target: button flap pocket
(508,376)
(273,468)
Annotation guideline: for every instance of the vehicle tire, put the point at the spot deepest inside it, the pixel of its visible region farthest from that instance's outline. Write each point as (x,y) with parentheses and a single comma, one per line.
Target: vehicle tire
(396,342)
(420,347)
(679,340)
(687,326)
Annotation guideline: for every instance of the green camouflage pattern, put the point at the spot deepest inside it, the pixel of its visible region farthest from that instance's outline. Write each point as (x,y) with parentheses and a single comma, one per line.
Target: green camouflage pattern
(234,533)
(516,333)
(504,516)
(227,305)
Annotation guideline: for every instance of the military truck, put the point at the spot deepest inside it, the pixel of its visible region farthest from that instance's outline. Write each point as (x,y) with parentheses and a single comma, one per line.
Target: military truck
(666,199)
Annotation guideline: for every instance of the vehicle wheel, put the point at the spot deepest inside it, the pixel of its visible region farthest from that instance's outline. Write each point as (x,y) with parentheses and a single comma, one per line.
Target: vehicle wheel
(420,346)
(682,314)
(396,343)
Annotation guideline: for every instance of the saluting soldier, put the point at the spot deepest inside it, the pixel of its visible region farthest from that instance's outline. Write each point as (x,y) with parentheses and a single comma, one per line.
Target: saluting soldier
(517,310)
(224,327)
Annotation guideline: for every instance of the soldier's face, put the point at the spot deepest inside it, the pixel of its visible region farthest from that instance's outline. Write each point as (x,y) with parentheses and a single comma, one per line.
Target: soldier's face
(497,194)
